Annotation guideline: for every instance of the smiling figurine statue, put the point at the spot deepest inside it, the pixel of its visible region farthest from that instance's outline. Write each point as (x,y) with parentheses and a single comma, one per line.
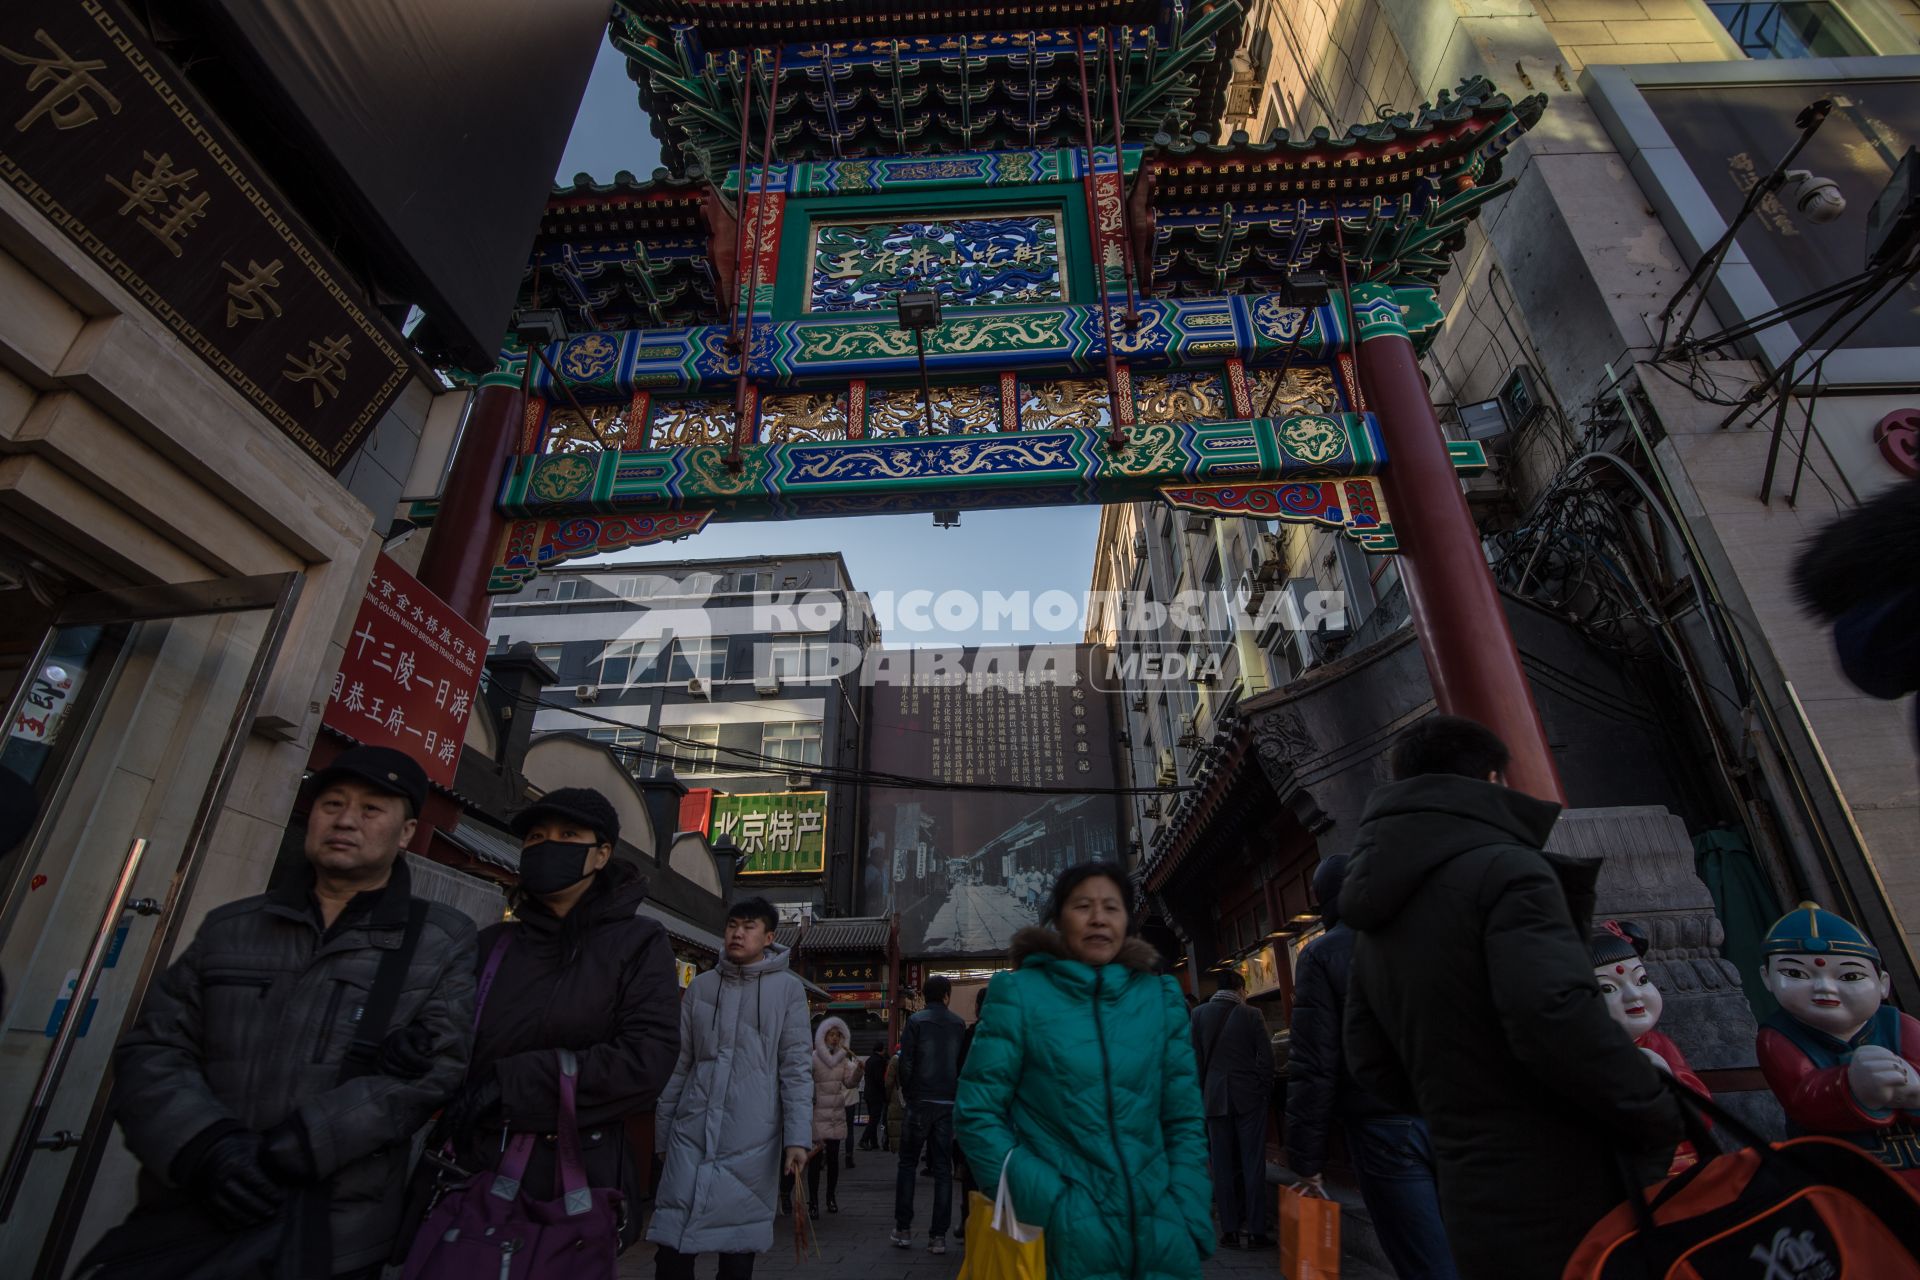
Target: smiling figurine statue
(1619,950)
(1841,1060)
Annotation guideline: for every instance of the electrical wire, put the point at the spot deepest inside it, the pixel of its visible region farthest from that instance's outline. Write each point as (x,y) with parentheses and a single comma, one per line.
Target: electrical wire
(829,773)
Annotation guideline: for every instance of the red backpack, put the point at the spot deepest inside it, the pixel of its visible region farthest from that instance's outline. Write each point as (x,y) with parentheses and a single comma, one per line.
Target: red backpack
(1805,1209)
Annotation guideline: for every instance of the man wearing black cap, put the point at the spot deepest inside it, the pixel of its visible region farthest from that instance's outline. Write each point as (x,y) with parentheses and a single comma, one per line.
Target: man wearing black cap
(280,1067)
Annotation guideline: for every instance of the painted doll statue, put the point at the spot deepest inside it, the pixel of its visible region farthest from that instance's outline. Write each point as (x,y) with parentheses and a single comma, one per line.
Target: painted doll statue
(1840,1059)
(1619,950)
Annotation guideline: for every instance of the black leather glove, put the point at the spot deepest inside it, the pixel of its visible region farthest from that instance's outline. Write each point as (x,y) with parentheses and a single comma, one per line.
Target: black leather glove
(230,1179)
(474,1108)
(406,1054)
(286,1154)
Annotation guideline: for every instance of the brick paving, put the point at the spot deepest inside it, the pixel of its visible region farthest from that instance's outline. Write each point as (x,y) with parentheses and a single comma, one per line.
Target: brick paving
(853,1243)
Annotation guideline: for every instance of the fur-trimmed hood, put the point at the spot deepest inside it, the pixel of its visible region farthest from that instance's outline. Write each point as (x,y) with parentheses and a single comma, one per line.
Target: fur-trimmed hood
(820,1049)
(1038,940)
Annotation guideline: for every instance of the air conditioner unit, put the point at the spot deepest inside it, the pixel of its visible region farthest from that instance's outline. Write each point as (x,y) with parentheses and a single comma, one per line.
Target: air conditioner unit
(1139,702)
(1485,421)
(1194,522)
(1190,731)
(1140,544)
(1250,591)
(699,688)
(586,693)
(1152,807)
(766,682)
(1169,770)
(1271,567)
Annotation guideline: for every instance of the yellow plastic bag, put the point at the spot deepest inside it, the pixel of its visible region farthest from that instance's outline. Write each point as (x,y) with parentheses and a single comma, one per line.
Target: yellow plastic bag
(1309,1236)
(999,1247)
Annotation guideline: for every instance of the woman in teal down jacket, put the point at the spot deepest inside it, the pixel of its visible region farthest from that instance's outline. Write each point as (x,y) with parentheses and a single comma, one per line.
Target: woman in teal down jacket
(1081,1082)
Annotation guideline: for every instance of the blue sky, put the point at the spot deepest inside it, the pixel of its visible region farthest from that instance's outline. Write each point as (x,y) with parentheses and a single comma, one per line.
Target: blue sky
(1039,550)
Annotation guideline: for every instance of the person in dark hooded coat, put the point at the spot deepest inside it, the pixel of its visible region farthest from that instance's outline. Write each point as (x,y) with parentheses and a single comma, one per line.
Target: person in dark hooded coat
(1472,1003)
(1392,1153)
(584,969)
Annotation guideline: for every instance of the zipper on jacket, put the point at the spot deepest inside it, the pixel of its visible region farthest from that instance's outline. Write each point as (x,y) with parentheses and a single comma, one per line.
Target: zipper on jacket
(326,1023)
(1113,1128)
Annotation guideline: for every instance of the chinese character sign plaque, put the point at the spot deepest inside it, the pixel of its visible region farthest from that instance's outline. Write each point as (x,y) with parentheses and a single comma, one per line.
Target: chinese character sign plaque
(783,833)
(101,133)
(410,673)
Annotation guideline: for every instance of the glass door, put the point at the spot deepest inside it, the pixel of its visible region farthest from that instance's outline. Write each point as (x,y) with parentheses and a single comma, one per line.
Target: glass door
(126,726)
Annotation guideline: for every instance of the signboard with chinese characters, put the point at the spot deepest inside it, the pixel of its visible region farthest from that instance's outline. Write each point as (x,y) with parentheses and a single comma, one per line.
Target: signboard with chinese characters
(997,260)
(109,143)
(410,673)
(782,833)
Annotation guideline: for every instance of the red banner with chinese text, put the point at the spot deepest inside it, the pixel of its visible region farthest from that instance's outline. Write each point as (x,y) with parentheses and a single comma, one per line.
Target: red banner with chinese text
(410,674)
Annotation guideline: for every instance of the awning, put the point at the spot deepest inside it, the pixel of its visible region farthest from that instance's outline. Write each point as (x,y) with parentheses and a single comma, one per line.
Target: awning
(489,844)
(863,934)
(681,931)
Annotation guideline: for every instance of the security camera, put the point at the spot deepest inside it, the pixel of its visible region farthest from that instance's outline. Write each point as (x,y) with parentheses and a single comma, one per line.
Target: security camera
(1819,199)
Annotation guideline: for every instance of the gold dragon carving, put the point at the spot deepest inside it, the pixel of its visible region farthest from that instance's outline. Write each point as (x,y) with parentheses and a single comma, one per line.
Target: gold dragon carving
(1047,406)
(897,411)
(684,424)
(1309,389)
(566,433)
(803,417)
(1178,397)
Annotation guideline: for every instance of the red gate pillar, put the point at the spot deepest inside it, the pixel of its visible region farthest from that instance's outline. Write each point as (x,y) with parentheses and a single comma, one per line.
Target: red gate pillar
(1464,637)
(468,528)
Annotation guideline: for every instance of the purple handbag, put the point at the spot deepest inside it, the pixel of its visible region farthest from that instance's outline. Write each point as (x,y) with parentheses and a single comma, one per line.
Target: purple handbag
(490,1225)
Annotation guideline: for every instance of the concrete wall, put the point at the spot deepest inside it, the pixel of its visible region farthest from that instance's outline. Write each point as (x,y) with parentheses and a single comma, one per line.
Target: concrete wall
(125,461)
(1562,274)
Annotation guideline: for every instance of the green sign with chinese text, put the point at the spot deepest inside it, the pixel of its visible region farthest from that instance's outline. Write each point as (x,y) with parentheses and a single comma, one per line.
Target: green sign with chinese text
(782,833)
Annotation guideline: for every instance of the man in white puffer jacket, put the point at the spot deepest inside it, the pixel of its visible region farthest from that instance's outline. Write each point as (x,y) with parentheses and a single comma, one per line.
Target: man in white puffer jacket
(741,1091)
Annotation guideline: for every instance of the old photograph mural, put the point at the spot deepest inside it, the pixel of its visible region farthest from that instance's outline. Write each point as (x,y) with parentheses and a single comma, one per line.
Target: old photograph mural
(964,868)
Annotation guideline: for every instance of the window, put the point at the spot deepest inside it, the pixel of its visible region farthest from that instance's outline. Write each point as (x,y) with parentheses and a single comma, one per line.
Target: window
(628,662)
(566,589)
(1809,29)
(797,659)
(796,742)
(696,755)
(549,654)
(701,659)
(748,583)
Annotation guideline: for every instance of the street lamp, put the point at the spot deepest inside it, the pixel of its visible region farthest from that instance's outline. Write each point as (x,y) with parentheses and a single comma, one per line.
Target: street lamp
(919,312)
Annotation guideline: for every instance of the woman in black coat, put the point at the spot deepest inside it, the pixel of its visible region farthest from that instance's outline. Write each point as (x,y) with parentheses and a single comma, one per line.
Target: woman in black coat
(584,970)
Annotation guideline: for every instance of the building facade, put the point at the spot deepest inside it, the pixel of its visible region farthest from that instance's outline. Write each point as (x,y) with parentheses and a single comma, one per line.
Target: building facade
(1642,512)
(739,678)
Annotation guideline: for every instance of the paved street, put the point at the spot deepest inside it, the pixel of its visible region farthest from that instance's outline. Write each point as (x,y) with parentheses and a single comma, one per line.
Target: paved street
(977,918)
(853,1242)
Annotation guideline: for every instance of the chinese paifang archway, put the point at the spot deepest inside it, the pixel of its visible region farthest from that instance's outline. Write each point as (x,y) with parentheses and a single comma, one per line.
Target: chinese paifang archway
(1128,310)
(1178,321)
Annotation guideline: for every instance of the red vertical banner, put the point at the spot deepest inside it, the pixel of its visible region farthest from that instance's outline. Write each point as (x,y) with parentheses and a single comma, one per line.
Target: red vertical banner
(696,809)
(764,213)
(1109,251)
(1237,388)
(410,673)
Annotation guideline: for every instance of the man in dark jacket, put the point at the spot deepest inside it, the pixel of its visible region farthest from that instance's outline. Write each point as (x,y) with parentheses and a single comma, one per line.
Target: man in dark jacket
(1235,1059)
(874,1084)
(1472,1003)
(1392,1153)
(232,1088)
(929,1079)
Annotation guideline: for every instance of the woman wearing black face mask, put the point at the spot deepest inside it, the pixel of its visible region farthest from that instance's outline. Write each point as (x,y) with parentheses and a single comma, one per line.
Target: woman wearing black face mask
(579,968)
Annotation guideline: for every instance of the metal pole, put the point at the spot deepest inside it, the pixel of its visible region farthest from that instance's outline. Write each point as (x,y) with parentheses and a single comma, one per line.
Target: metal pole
(734,459)
(567,389)
(1116,436)
(1809,120)
(55,1063)
(1120,176)
(926,387)
(740,201)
